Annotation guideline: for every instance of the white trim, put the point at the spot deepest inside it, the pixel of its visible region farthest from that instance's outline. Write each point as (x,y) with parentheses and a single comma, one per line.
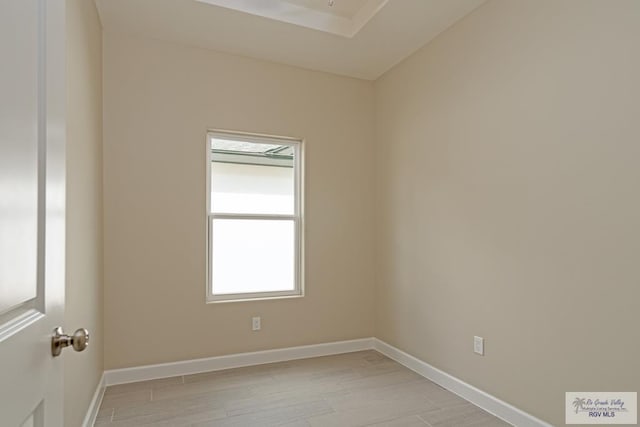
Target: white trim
(483,400)
(165,370)
(94,406)
(297,217)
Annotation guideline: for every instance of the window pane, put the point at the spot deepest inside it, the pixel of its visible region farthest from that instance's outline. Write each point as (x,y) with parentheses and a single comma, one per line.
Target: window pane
(252,256)
(253,189)
(251,177)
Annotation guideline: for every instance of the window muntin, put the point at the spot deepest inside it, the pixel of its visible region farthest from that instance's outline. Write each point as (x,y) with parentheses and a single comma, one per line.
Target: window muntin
(254,213)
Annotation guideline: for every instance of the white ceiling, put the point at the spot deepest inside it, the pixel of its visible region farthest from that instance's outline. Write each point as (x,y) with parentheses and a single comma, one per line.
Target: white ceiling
(357,38)
(346,8)
(342,17)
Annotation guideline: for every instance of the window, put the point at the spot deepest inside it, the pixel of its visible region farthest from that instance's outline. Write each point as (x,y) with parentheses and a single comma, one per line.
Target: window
(254,209)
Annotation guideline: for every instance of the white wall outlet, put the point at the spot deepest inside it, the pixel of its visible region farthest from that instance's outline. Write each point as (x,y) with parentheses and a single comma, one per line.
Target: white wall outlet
(255,324)
(478,345)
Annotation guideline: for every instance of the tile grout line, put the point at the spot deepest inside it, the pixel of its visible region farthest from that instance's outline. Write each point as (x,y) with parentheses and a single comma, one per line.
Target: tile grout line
(424,421)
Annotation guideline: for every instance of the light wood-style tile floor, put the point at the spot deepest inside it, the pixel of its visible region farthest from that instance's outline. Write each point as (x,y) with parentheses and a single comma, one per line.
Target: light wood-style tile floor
(355,389)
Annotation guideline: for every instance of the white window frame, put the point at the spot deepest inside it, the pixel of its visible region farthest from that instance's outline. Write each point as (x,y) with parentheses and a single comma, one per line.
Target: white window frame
(297,216)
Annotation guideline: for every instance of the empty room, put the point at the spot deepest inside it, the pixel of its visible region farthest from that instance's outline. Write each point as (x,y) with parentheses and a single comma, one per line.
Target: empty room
(319,213)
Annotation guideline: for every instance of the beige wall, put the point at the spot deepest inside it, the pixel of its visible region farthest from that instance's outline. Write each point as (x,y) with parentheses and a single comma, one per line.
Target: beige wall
(506,202)
(507,192)
(84,205)
(160,99)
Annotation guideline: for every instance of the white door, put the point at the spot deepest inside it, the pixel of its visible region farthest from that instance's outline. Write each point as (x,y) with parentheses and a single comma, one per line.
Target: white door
(32,209)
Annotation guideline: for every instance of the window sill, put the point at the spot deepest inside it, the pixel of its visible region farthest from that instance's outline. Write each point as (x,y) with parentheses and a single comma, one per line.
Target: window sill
(210,299)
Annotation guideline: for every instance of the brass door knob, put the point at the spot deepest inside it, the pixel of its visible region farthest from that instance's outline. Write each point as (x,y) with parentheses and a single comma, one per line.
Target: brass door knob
(79,340)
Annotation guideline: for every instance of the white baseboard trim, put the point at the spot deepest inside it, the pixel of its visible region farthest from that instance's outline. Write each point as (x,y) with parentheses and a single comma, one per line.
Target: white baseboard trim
(489,403)
(187,367)
(94,406)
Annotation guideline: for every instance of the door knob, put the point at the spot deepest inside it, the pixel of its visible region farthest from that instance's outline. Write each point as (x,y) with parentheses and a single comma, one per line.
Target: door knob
(79,340)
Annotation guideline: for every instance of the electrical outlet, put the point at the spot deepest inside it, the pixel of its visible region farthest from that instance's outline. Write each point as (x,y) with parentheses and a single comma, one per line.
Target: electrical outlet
(478,345)
(255,324)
